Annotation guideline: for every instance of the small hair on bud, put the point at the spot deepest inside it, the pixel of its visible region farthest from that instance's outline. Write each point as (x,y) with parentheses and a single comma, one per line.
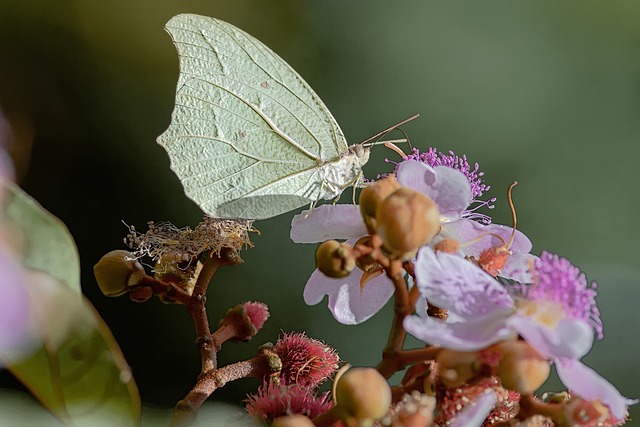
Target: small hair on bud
(117,272)
(335,259)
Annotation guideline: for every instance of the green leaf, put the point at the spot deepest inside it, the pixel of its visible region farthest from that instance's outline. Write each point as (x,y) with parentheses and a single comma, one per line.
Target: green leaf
(42,241)
(77,371)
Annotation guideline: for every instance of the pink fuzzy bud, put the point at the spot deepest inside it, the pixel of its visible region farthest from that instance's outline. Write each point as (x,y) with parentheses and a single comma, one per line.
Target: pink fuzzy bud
(305,361)
(258,313)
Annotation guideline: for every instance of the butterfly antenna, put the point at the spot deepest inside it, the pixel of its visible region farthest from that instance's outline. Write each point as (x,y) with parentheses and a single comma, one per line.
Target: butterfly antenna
(389,129)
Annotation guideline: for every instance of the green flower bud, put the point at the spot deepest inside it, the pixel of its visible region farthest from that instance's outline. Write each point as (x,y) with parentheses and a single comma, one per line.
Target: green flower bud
(117,272)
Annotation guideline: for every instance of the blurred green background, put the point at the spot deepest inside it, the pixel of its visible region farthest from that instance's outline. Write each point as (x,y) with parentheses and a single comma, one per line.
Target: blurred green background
(543,92)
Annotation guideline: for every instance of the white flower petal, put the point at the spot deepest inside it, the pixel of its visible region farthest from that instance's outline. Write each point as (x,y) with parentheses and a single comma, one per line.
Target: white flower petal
(570,338)
(460,336)
(348,304)
(589,385)
(455,284)
(328,222)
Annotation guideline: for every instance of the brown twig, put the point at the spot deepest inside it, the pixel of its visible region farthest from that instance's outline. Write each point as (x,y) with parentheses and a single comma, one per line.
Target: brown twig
(265,363)
(403,307)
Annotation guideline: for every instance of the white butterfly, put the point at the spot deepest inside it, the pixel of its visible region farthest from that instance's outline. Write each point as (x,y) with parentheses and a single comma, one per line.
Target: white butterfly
(248,137)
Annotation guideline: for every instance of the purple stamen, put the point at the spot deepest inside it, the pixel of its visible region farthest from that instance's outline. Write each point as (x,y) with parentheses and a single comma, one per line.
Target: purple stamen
(434,158)
(559,281)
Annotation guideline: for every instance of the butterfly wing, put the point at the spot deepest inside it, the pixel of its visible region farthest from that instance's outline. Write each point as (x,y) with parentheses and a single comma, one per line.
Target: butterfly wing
(248,135)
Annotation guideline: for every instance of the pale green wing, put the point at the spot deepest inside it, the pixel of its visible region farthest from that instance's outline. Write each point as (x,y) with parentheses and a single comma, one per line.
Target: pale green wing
(248,135)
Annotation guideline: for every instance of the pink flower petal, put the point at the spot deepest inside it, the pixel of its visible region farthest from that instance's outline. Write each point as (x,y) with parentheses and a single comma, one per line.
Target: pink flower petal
(448,188)
(348,305)
(328,222)
(455,284)
(461,336)
(571,338)
(589,385)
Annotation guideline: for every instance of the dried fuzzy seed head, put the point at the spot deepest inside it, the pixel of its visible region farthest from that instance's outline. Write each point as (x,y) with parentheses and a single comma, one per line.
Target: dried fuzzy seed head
(165,240)
(406,221)
(522,368)
(183,274)
(362,396)
(335,259)
(305,361)
(116,272)
(456,367)
(372,196)
(274,401)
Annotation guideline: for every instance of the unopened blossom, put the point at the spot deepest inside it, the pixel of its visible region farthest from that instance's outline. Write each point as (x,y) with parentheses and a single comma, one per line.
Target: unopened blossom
(306,362)
(273,401)
(556,314)
(451,191)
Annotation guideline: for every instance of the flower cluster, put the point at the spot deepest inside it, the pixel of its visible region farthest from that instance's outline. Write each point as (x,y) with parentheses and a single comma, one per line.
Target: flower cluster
(494,317)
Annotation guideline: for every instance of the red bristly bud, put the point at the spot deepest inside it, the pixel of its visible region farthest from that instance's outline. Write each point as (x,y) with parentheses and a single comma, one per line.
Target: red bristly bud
(305,361)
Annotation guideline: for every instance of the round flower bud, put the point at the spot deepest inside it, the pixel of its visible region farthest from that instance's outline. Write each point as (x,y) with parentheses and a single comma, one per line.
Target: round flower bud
(116,272)
(406,221)
(457,367)
(335,259)
(141,294)
(296,420)
(372,196)
(362,395)
(522,368)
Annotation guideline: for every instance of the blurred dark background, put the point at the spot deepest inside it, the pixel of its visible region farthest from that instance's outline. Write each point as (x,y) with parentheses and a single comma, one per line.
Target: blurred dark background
(543,92)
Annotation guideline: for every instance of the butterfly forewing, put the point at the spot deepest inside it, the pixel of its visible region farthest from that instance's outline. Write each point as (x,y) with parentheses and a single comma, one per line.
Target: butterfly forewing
(246,129)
